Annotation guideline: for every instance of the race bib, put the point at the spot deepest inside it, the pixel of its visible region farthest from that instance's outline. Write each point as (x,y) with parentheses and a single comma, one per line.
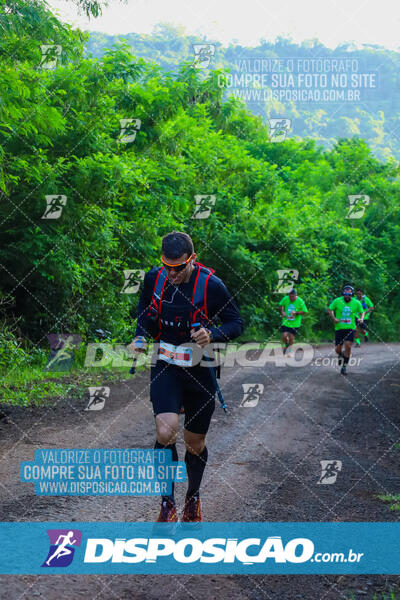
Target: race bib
(175,355)
(346,316)
(290,310)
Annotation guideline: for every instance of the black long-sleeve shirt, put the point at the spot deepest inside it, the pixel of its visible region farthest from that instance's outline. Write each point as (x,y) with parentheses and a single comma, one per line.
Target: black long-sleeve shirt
(226,323)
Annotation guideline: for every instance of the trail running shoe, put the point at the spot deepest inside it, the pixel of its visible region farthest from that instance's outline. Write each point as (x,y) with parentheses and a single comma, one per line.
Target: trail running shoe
(168,512)
(343,370)
(192,510)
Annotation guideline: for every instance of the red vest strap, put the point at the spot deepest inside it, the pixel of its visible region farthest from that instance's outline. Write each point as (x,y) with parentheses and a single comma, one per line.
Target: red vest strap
(204,267)
(158,291)
(199,297)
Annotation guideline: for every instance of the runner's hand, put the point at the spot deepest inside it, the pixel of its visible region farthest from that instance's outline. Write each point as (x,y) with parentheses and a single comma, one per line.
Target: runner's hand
(201,336)
(134,348)
(335,320)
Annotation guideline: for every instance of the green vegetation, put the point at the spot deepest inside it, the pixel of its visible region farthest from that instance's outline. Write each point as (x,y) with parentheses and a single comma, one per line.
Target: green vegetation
(25,379)
(278,205)
(394,498)
(389,595)
(374,117)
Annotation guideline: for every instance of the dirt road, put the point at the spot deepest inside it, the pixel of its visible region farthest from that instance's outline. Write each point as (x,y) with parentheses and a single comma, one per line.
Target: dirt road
(264,465)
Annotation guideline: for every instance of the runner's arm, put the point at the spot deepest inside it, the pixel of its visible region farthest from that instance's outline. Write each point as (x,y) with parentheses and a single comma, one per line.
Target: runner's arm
(223,308)
(331,311)
(281,304)
(304,309)
(361,313)
(332,315)
(144,304)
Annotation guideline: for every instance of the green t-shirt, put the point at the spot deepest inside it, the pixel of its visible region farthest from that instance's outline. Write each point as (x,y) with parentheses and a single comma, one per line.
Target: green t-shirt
(290,307)
(366,303)
(346,312)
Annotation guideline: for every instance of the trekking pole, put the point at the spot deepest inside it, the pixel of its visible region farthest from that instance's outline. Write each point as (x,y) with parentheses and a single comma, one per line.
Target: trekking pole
(140,342)
(212,372)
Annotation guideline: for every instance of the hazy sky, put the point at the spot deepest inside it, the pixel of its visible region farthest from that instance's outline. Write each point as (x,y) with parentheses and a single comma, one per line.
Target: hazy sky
(331,21)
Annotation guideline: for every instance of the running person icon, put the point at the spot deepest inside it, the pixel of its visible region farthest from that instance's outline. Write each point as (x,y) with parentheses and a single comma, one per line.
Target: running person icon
(343,311)
(98,397)
(292,309)
(331,471)
(62,549)
(61,355)
(174,297)
(362,327)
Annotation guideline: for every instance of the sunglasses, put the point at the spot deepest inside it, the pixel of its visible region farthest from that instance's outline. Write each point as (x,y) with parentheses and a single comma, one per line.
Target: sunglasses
(178,268)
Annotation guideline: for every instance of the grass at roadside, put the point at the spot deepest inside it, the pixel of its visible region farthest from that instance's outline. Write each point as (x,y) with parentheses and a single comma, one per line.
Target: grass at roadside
(26,380)
(394,499)
(32,386)
(389,595)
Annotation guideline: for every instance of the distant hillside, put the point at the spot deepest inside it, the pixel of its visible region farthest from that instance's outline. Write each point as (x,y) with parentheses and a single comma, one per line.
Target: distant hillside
(287,80)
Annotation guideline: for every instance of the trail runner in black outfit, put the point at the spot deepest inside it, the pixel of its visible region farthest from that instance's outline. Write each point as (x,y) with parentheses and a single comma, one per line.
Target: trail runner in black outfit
(175,296)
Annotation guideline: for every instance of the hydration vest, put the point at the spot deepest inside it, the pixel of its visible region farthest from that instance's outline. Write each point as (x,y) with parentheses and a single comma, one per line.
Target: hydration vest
(199,297)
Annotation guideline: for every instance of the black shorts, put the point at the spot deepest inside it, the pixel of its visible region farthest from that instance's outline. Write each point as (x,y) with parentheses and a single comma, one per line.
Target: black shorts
(363,325)
(172,387)
(285,329)
(343,335)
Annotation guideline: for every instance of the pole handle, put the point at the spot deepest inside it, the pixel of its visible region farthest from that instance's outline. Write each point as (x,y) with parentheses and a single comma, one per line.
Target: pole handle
(140,342)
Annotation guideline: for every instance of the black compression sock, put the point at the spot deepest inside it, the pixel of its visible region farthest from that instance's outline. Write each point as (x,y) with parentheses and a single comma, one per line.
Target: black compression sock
(195,465)
(172,447)
(346,359)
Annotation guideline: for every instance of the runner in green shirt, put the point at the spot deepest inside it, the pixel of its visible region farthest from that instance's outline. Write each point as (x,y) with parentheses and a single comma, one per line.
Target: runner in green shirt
(362,327)
(344,311)
(292,309)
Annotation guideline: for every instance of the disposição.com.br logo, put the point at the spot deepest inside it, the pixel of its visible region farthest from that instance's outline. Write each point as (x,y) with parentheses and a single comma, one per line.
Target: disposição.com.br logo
(62,547)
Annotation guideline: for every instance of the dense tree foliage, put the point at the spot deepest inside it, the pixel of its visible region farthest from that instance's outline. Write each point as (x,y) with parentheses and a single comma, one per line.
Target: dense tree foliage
(375,117)
(278,205)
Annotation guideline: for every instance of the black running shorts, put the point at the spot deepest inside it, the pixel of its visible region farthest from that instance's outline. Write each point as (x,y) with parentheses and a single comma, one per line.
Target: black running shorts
(285,329)
(172,387)
(343,335)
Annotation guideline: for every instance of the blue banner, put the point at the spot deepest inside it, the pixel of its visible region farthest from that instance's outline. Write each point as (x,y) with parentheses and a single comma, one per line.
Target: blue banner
(244,548)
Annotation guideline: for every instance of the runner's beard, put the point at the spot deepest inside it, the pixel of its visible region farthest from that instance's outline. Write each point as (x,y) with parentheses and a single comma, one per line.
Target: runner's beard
(177,278)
